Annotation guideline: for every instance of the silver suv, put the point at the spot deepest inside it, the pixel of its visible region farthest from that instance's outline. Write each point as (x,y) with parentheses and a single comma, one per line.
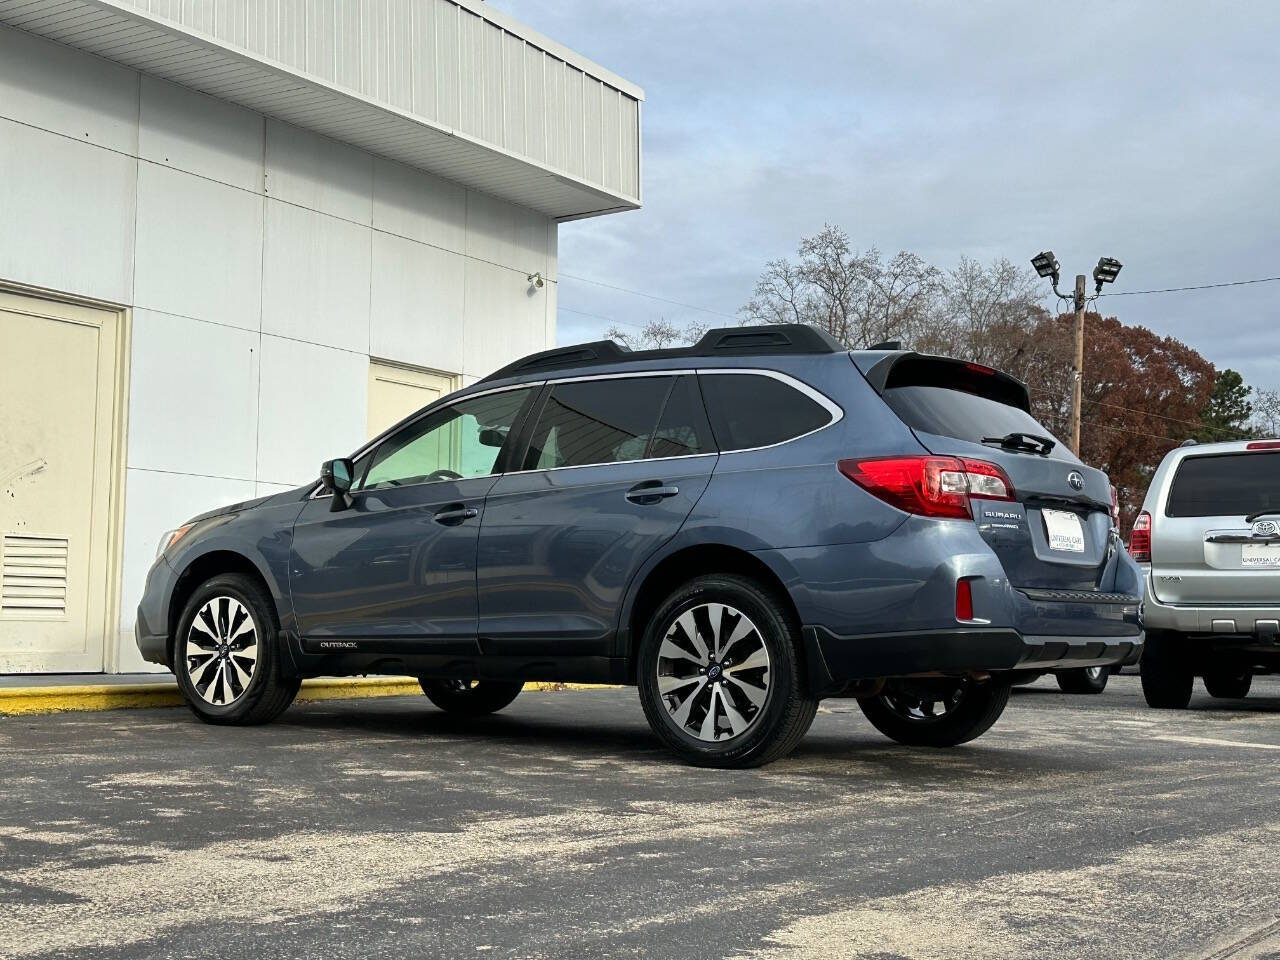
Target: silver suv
(1208,539)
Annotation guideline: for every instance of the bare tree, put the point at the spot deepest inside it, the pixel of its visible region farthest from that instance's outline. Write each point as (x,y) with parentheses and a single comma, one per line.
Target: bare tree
(1266,413)
(857,297)
(656,335)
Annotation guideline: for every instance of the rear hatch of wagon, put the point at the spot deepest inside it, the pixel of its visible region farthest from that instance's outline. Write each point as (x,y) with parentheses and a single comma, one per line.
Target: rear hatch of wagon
(1055,532)
(1217,541)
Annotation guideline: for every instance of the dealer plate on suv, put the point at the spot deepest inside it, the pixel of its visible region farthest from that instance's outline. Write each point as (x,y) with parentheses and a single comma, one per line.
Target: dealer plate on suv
(1065,531)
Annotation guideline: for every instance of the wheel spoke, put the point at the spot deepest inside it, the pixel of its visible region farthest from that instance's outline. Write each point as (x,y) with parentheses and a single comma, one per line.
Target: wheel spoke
(669,685)
(242,675)
(681,715)
(672,651)
(708,729)
(759,658)
(715,623)
(690,628)
(753,693)
(249,652)
(737,722)
(204,623)
(198,672)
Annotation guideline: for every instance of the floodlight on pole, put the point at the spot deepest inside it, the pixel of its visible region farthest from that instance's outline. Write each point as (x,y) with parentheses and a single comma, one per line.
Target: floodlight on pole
(1046,264)
(1108,268)
(1106,271)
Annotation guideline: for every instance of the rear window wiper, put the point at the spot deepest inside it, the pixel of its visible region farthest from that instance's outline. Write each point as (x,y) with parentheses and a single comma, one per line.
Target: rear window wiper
(1026,442)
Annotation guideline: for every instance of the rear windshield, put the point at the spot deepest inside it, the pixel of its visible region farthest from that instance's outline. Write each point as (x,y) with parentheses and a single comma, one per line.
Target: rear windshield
(1226,485)
(964,416)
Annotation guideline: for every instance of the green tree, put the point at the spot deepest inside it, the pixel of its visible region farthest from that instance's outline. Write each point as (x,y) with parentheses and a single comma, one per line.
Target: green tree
(1226,415)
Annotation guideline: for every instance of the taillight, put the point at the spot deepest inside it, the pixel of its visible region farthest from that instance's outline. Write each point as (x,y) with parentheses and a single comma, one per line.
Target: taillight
(964,600)
(930,486)
(1115,508)
(1263,445)
(1140,538)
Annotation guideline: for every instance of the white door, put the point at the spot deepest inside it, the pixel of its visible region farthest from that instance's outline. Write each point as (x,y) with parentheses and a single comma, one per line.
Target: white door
(395,392)
(58,379)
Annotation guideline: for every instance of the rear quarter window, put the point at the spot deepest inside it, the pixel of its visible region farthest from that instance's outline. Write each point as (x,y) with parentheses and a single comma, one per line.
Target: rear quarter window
(1225,485)
(749,410)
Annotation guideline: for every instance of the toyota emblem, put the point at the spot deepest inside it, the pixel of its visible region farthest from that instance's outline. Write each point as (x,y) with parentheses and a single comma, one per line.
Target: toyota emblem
(1075,480)
(1265,528)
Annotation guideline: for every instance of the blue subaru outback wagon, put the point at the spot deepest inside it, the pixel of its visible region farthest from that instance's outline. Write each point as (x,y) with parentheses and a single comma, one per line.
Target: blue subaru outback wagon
(739,528)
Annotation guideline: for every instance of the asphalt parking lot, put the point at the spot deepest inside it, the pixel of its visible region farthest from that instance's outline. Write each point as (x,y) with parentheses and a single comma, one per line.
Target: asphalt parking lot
(1079,827)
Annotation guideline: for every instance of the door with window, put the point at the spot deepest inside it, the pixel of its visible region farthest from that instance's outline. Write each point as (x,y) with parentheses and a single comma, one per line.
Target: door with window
(397,569)
(611,468)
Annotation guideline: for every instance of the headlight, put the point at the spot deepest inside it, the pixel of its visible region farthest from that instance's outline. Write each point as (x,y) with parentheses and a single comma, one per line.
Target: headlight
(171,537)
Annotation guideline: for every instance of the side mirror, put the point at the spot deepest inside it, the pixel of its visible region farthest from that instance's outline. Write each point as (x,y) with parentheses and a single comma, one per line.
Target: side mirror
(489,437)
(335,477)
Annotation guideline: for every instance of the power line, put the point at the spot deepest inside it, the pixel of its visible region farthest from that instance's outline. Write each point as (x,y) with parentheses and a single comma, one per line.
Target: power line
(1201,286)
(641,293)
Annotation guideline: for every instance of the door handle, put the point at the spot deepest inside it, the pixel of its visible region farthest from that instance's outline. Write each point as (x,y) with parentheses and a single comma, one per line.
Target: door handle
(455,513)
(651,491)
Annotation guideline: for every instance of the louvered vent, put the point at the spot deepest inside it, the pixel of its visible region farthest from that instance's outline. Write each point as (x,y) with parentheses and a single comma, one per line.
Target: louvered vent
(33,577)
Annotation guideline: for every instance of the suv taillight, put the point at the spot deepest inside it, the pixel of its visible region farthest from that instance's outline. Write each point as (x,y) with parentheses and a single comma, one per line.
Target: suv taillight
(1140,538)
(930,486)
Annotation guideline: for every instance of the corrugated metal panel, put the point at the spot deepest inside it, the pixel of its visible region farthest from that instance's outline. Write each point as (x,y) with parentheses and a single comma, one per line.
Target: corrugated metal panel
(535,103)
(513,110)
(451,86)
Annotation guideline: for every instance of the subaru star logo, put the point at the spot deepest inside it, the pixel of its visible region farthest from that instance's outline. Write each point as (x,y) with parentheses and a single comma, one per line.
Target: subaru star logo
(1075,480)
(1265,528)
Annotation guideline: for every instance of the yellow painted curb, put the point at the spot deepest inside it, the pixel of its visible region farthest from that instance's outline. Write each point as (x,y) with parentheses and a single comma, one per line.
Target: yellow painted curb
(17,701)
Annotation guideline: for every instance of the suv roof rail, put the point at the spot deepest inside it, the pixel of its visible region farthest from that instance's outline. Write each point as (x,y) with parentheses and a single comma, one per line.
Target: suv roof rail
(761,340)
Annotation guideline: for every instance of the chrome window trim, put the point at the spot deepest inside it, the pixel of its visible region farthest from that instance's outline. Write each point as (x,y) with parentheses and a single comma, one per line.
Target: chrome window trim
(835,411)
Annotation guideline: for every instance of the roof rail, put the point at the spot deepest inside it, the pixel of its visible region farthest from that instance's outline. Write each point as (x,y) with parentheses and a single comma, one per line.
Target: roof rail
(763,340)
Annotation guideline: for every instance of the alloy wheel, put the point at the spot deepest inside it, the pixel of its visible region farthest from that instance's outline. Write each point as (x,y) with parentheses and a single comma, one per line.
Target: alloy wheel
(924,701)
(222,650)
(713,672)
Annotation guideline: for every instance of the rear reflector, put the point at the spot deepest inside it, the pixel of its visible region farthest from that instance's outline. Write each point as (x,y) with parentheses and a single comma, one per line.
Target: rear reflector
(1263,445)
(964,600)
(930,486)
(1140,538)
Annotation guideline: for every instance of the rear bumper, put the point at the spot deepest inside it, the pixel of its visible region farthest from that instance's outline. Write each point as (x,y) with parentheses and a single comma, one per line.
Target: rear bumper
(1239,621)
(835,660)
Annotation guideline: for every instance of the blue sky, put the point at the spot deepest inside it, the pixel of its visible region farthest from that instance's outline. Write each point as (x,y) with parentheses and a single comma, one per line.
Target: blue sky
(1148,132)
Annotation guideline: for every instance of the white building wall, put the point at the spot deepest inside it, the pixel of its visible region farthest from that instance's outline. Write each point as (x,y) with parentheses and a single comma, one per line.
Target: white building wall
(264,265)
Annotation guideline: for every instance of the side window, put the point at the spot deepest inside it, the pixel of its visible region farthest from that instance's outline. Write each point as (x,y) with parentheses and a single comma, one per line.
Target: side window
(596,421)
(459,441)
(683,429)
(751,410)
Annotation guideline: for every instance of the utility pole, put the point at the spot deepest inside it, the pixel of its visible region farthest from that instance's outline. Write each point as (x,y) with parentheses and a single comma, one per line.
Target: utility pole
(1046,264)
(1077,384)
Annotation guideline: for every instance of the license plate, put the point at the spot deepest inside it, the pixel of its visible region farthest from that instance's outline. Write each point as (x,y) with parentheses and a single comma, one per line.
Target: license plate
(1065,531)
(1260,555)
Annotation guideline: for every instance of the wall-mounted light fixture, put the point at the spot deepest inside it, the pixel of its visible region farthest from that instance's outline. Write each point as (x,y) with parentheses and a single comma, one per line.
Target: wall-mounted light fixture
(536,281)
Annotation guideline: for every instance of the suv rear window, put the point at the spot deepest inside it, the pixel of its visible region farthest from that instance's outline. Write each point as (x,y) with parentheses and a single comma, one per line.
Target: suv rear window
(1225,485)
(964,416)
(750,410)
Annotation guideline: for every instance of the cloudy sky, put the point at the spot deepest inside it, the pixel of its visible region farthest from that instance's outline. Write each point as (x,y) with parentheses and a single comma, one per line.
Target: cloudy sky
(1145,131)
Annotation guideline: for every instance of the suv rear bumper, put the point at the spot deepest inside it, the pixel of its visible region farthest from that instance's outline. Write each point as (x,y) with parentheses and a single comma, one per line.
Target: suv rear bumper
(1240,621)
(834,660)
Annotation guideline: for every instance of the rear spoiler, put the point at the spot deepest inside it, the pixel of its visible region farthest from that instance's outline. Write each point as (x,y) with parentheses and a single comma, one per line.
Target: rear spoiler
(885,370)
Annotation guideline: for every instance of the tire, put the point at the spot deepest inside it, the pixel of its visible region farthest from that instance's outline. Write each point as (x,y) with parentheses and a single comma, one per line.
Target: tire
(726,694)
(1166,673)
(470,698)
(1084,680)
(227,632)
(1229,684)
(905,710)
